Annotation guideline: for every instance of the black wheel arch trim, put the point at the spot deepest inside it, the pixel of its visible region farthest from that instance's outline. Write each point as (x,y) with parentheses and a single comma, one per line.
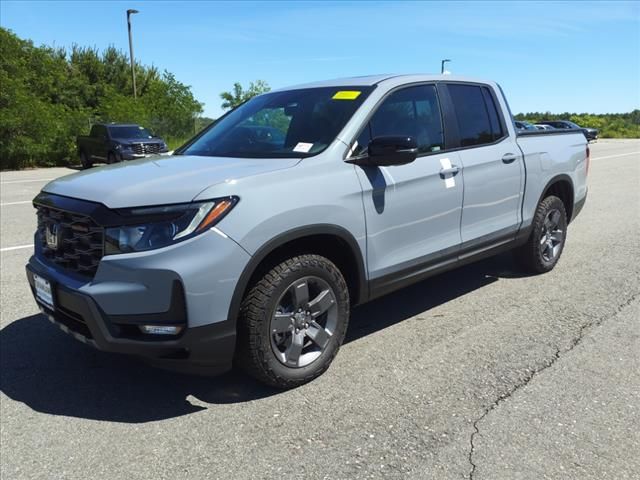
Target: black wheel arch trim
(299,233)
(554,180)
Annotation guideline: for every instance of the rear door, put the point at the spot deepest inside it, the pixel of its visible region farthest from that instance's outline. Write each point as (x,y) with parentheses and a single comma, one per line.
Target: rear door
(493,167)
(412,211)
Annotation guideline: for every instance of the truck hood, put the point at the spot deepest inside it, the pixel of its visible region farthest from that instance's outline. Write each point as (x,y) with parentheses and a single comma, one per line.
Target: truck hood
(159,180)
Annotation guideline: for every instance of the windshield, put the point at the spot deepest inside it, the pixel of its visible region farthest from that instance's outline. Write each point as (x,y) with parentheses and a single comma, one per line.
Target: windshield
(131,131)
(292,123)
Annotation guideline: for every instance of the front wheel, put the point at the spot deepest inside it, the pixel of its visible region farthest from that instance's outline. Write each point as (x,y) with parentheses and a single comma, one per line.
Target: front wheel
(293,321)
(546,242)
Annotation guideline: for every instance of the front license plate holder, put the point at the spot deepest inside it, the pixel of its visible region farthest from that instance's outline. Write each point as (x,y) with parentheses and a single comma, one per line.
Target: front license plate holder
(44,291)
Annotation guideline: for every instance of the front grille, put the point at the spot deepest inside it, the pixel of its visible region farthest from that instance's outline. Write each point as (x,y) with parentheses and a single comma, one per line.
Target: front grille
(145,148)
(79,240)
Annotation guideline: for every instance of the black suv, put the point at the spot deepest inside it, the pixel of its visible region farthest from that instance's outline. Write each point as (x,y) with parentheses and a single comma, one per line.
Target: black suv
(114,142)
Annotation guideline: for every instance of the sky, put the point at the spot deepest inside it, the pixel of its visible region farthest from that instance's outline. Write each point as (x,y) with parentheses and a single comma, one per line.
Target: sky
(547,56)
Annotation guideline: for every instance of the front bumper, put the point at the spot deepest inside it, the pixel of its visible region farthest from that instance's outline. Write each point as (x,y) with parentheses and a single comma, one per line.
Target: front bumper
(189,284)
(205,350)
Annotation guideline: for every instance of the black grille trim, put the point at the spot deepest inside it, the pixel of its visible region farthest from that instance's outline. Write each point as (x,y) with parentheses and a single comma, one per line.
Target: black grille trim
(80,243)
(146,148)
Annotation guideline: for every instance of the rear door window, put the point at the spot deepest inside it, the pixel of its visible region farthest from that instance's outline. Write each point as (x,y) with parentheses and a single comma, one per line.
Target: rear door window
(473,115)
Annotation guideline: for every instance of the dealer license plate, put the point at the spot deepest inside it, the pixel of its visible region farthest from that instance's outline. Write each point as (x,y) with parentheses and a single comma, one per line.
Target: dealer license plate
(43,291)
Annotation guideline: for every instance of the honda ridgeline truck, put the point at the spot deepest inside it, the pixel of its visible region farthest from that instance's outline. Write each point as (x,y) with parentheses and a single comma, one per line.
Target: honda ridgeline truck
(253,241)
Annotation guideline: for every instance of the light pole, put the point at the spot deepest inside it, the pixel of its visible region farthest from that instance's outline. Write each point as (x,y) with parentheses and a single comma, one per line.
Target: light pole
(442,64)
(133,69)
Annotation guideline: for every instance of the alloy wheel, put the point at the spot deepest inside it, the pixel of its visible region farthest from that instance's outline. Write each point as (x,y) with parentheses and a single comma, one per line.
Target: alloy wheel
(552,236)
(304,320)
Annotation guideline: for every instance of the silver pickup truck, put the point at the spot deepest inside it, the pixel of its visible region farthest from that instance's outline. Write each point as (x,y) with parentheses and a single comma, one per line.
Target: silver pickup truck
(252,242)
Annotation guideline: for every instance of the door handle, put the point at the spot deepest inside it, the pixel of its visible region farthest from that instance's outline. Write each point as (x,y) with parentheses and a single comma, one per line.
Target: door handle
(509,157)
(450,171)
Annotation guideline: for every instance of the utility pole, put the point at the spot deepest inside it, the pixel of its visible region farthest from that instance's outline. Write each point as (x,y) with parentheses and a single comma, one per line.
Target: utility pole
(442,65)
(133,68)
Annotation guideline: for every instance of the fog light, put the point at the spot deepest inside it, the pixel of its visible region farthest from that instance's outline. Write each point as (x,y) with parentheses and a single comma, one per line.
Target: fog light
(160,329)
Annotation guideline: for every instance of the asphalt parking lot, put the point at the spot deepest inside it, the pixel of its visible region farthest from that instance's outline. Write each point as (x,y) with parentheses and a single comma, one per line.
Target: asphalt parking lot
(478,373)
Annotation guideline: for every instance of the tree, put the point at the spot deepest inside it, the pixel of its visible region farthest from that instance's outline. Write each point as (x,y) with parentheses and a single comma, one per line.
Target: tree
(238,95)
(49,96)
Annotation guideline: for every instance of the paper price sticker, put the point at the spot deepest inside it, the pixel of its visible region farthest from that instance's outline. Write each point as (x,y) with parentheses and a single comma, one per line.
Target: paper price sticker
(303,147)
(449,181)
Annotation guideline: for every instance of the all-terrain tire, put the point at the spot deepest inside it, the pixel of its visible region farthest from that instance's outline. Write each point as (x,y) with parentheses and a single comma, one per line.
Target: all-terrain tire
(536,255)
(255,353)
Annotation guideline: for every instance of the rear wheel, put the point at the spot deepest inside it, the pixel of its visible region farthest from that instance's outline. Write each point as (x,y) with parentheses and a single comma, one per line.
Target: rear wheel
(293,321)
(84,161)
(546,242)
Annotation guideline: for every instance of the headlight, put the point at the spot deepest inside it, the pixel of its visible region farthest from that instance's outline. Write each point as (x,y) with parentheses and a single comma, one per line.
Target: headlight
(162,226)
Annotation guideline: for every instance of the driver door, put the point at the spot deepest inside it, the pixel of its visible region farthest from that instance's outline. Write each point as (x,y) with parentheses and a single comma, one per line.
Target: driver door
(412,211)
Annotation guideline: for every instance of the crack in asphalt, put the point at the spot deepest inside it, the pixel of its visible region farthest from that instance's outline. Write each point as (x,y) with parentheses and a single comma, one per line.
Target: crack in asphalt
(505,396)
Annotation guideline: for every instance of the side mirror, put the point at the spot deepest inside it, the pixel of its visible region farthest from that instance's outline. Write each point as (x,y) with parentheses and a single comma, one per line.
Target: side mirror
(391,150)
(387,151)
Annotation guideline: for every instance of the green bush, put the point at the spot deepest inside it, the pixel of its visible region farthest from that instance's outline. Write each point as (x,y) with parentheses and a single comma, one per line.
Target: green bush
(50,96)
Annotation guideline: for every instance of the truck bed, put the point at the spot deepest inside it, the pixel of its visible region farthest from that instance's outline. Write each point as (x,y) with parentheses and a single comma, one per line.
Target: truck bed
(548,154)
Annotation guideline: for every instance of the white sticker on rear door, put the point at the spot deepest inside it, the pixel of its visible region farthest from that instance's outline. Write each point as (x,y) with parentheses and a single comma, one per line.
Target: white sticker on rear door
(302,147)
(449,180)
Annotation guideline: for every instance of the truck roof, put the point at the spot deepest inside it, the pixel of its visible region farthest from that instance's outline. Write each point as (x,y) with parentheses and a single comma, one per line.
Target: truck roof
(393,79)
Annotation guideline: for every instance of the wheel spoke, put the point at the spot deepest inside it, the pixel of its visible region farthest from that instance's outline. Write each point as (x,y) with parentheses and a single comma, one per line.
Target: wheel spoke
(557,236)
(555,218)
(300,294)
(318,334)
(292,353)
(543,239)
(281,323)
(321,303)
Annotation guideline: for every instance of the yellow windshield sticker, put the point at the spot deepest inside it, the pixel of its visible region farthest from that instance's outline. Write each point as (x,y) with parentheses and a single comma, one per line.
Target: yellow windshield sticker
(346,95)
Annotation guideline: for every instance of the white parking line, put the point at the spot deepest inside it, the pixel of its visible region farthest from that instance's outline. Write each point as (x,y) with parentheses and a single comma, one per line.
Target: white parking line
(15,203)
(614,156)
(19,247)
(28,181)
